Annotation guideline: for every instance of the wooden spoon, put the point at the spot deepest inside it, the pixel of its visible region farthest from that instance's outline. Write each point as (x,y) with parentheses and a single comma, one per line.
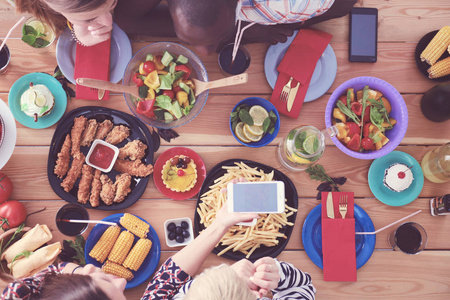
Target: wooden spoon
(200,86)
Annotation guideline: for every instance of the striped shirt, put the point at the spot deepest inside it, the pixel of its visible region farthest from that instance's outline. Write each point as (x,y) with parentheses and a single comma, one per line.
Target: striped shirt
(270,12)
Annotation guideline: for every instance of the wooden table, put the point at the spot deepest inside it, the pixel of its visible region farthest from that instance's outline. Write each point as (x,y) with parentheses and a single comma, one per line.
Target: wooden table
(388,274)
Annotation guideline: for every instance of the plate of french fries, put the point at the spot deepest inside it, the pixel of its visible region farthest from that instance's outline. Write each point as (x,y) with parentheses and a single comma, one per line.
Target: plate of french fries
(130,250)
(271,233)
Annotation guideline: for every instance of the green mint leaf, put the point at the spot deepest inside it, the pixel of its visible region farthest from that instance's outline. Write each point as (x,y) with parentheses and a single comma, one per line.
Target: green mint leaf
(273,116)
(40,43)
(27,29)
(43,110)
(266,124)
(271,130)
(29,39)
(234,124)
(245,117)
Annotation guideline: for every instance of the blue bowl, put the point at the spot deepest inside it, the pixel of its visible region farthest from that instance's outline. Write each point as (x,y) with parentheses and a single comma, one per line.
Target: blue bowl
(267,138)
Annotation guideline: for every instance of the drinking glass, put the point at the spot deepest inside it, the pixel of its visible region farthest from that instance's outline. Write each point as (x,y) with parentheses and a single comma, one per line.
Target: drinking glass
(41,27)
(74,212)
(410,238)
(436,164)
(303,146)
(240,64)
(5,58)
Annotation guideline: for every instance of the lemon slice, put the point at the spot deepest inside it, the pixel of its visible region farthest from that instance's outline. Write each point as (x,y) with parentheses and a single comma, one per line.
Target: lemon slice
(252,137)
(32,97)
(37,25)
(239,131)
(40,101)
(256,130)
(311,144)
(297,159)
(259,114)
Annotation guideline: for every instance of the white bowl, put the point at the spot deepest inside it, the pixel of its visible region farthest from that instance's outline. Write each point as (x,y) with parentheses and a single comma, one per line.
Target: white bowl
(112,147)
(177,222)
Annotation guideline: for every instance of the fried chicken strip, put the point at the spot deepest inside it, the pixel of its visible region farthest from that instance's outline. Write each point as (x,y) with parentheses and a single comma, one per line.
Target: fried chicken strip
(133,150)
(96,187)
(108,191)
(74,172)
(122,185)
(77,130)
(103,129)
(134,168)
(84,187)
(63,161)
(89,132)
(117,134)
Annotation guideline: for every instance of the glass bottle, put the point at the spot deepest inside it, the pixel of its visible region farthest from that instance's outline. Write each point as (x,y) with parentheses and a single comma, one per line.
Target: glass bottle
(436,164)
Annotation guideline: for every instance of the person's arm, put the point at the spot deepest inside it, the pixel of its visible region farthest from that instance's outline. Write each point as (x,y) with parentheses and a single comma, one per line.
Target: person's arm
(294,284)
(144,17)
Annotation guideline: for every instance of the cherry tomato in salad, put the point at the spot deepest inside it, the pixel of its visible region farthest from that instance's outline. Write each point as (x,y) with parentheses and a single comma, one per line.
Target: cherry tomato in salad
(149,66)
(185,70)
(357,108)
(6,187)
(353,144)
(13,212)
(367,143)
(169,93)
(343,99)
(367,114)
(146,108)
(366,129)
(353,129)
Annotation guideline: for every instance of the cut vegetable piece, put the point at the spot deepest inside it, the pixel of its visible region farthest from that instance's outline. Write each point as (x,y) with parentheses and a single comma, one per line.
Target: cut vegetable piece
(176,109)
(168,117)
(166,58)
(182,59)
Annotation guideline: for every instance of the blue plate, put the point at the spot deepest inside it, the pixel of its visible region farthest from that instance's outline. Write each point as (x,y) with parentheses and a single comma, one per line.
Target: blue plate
(120,54)
(312,236)
(384,194)
(322,78)
(22,84)
(148,266)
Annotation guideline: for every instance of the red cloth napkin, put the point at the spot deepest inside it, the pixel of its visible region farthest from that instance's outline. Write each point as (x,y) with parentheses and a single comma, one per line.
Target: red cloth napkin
(338,241)
(299,62)
(92,62)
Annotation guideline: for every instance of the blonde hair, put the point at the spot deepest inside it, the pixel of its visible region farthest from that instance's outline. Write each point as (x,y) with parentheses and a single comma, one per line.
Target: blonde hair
(219,283)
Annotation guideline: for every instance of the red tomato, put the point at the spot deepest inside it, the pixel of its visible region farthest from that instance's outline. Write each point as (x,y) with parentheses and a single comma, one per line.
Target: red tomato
(367,114)
(146,108)
(176,89)
(366,131)
(357,108)
(12,212)
(353,144)
(149,66)
(6,187)
(185,70)
(367,143)
(169,93)
(343,99)
(353,129)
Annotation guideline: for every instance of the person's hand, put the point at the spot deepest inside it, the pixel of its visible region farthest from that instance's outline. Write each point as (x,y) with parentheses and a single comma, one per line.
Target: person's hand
(266,276)
(272,34)
(92,34)
(228,219)
(245,269)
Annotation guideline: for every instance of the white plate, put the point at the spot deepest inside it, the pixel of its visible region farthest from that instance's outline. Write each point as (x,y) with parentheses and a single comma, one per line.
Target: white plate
(121,54)
(322,78)
(7,147)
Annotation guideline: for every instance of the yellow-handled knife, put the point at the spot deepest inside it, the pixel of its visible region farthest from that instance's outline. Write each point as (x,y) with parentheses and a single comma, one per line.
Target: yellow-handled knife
(291,97)
(330,207)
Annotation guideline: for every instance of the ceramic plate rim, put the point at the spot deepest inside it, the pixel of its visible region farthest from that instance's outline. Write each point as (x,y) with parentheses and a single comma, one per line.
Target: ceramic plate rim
(9,142)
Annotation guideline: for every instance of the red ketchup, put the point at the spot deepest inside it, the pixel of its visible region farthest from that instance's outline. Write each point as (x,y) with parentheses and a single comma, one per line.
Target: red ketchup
(101,156)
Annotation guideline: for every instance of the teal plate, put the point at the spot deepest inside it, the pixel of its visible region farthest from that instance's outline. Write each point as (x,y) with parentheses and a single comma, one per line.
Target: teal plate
(22,84)
(384,194)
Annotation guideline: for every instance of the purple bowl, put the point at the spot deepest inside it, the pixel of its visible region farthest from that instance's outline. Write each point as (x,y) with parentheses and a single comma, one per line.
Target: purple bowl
(399,112)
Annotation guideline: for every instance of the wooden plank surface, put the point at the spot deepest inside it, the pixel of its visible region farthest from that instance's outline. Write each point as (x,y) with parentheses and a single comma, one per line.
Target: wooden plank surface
(388,274)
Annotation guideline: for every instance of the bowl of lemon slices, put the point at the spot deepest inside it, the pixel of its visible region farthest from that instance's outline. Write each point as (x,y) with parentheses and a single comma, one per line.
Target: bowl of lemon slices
(254,122)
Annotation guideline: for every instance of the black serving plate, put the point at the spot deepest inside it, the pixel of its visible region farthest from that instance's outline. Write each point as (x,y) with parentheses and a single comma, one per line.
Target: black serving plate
(423,66)
(292,201)
(138,130)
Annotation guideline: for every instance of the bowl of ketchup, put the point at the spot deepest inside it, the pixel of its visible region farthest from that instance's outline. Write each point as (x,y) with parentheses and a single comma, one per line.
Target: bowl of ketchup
(102,155)
(2,130)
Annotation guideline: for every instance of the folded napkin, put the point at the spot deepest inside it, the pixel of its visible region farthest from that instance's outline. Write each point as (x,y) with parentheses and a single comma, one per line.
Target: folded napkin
(299,62)
(338,241)
(92,62)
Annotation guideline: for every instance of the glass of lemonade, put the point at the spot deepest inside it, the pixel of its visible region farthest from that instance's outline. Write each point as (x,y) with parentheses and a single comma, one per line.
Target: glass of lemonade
(303,146)
(38,35)
(436,164)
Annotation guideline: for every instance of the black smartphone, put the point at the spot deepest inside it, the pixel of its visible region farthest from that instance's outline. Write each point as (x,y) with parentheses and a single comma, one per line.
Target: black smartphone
(363,34)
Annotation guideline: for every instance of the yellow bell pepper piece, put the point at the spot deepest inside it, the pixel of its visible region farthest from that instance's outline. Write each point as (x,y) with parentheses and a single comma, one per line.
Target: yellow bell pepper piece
(338,114)
(141,69)
(162,72)
(151,94)
(182,98)
(342,131)
(152,80)
(189,83)
(386,124)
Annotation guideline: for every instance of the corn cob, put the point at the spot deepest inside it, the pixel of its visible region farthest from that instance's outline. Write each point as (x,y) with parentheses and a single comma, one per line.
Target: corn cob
(104,245)
(439,69)
(121,247)
(117,270)
(137,255)
(135,225)
(437,46)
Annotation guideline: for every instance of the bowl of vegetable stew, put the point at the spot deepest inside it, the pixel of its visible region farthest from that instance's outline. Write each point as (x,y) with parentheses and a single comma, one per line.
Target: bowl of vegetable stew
(388,136)
(158,69)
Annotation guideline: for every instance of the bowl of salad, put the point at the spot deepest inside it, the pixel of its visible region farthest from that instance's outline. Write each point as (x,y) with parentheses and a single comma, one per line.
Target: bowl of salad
(163,72)
(370,116)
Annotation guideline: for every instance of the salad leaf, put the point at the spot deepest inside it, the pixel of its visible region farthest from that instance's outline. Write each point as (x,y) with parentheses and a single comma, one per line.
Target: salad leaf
(375,137)
(166,82)
(187,109)
(348,112)
(164,102)
(184,87)
(191,97)
(177,75)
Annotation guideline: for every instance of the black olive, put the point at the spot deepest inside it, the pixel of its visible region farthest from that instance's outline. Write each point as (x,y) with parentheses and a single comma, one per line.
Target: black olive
(184,166)
(180,239)
(171,226)
(186,234)
(179,165)
(184,225)
(180,160)
(179,230)
(172,236)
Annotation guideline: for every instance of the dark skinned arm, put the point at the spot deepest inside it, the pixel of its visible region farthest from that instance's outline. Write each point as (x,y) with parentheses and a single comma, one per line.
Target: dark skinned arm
(144,17)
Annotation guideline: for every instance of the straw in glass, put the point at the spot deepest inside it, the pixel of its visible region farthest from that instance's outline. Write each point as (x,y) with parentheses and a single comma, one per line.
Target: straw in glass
(10,31)
(392,224)
(237,39)
(87,221)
